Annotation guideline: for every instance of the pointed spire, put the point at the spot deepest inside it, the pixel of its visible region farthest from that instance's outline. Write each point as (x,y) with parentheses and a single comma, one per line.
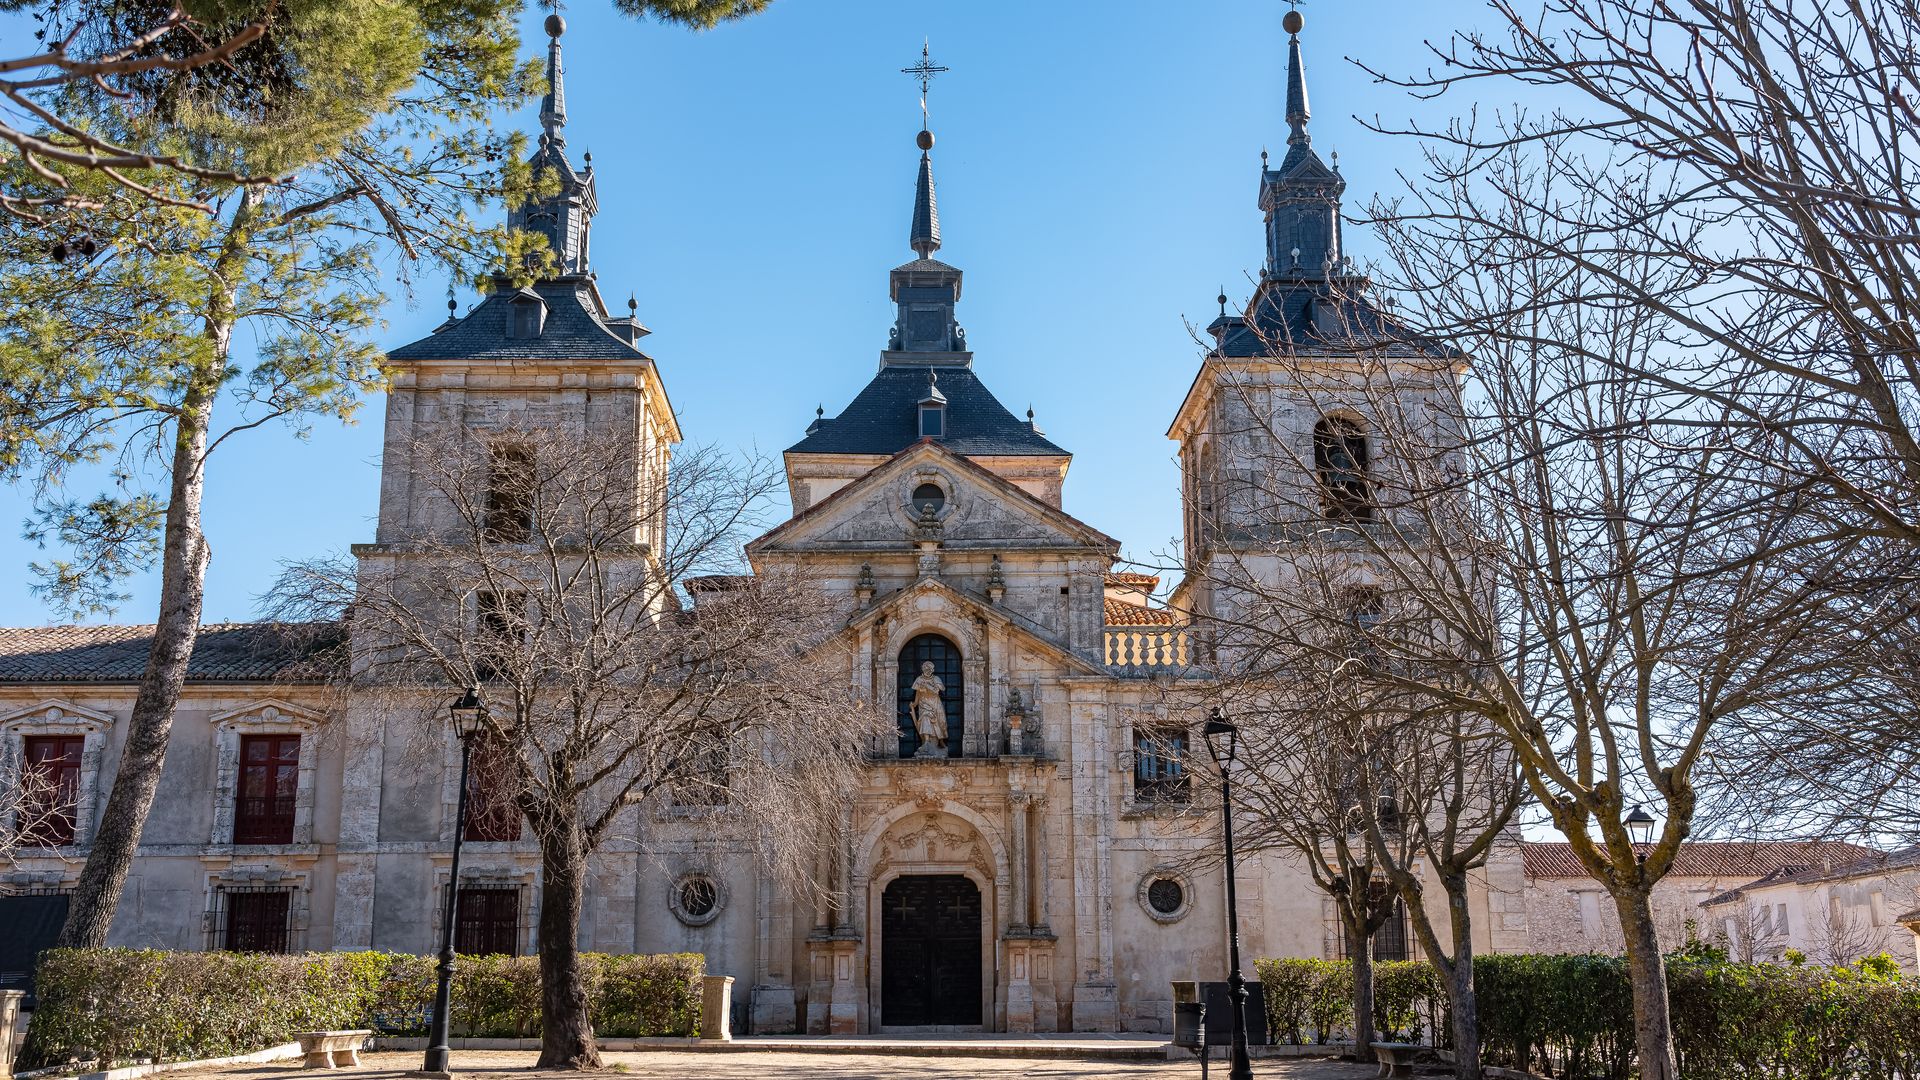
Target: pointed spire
(1297,111)
(553,106)
(926,214)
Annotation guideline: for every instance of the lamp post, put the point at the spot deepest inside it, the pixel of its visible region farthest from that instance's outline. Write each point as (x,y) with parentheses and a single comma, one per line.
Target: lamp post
(1640,830)
(467,711)
(1223,742)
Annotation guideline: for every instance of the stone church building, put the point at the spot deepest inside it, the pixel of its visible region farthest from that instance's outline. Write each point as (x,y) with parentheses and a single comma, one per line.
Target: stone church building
(1043,875)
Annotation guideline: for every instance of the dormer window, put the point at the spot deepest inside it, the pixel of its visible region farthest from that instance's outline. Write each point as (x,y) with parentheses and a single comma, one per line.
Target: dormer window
(933,409)
(527,315)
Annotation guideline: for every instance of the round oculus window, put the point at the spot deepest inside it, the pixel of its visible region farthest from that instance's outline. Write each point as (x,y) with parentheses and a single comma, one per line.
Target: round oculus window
(696,899)
(1165,894)
(928,495)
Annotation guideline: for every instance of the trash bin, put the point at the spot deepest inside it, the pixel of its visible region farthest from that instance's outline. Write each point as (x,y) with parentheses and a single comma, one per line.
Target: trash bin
(1188,1019)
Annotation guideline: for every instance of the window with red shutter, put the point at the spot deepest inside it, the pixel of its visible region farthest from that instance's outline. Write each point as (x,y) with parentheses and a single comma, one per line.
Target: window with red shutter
(492,813)
(53,762)
(257,920)
(487,922)
(269,777)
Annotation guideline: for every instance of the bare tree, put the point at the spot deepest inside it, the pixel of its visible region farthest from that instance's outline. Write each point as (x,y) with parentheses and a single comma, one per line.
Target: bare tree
(1298,794)
(1753,156)
(554,585)
(35,811)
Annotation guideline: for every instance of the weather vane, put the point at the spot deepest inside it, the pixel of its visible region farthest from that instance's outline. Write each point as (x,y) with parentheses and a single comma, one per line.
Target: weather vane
(923,73)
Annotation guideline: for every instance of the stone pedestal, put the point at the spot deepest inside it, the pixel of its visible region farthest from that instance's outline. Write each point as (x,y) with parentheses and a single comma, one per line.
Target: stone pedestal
(1031,1002)
(833,1003)
(9,1022)
(716,1007)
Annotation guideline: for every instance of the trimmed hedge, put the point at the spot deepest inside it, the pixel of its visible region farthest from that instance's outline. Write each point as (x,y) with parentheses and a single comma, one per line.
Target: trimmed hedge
(1316,996)
(116,1005)
(1572,1016)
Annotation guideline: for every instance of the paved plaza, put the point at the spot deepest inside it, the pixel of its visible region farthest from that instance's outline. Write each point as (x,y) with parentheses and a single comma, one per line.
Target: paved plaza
(766,1065)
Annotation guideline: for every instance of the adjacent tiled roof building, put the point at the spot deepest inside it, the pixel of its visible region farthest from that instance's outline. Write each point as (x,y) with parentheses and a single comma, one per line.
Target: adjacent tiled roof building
(223,652)
(1708,858)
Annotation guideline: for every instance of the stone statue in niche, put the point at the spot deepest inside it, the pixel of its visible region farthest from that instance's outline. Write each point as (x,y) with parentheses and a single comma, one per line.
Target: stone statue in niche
(929,713)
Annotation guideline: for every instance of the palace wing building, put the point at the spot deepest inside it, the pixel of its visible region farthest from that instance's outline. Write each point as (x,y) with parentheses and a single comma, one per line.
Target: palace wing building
(1044,871)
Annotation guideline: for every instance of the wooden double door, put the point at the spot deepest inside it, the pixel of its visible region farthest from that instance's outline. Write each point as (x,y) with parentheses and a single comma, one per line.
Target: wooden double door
(930,952)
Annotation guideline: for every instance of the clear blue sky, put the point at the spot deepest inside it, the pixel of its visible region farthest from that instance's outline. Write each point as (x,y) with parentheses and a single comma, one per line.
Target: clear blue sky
(1096,165)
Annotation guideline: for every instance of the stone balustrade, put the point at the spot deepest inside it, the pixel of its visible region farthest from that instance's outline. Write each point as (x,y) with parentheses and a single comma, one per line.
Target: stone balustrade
(1145,647)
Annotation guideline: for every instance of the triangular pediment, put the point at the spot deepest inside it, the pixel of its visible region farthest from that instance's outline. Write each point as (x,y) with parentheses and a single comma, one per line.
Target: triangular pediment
(977,511)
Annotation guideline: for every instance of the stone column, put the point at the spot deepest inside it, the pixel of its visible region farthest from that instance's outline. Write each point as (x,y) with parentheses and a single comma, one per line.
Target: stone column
(1019,918)
(1094,1004)
(361,783)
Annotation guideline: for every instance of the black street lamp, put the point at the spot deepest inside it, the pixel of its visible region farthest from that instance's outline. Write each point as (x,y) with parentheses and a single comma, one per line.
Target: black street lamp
(468,711)
(1223,741)
(1640,830)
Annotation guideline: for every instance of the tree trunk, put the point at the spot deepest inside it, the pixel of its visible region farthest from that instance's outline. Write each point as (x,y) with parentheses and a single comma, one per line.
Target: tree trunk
(182,590)
(183,579)
(1360,950)
(566,1028)
(1652,1025)
(1461,1001)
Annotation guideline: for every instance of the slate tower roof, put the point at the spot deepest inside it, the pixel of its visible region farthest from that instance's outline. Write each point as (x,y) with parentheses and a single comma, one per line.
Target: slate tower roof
(561,317)
(1310,298)
(884,418)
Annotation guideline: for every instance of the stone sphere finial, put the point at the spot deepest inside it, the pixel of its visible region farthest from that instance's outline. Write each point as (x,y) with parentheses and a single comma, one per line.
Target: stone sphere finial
(924,139)
(556,25)
(1292,21)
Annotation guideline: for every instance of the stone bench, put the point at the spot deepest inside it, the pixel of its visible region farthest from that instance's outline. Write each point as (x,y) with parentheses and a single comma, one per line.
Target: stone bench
(331,1049)
(1396,1059)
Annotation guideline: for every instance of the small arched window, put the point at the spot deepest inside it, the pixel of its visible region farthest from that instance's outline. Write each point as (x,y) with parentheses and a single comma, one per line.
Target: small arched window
(1341,462)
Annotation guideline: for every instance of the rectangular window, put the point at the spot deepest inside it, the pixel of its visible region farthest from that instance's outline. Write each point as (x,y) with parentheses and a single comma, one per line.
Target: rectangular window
(702,779)
(487,922)
(501,625)
(932,423)
(1160,764)
(269,777)
(492,813)
(510,482)
(1780,920)
(256,920)
(53,788)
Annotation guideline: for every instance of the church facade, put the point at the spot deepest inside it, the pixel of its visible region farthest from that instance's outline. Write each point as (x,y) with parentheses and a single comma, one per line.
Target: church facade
(1026,855)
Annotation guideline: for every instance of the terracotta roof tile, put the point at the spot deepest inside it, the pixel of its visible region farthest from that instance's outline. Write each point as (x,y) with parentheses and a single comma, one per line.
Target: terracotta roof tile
(1709,858)
(223,652)
(1148,580)
(1121,613)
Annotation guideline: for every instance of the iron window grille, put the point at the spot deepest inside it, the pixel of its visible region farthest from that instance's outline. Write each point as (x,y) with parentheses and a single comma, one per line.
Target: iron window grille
(252,919)
(486,921)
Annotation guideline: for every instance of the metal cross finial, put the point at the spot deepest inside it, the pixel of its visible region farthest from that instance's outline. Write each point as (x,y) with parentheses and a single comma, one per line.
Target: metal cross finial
(923,73)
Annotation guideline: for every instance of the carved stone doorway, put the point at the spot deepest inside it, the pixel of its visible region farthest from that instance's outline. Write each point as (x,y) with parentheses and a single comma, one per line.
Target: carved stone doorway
(930,952)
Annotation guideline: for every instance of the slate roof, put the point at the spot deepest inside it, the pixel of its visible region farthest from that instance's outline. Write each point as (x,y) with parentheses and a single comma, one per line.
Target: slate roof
(223,652)
(884,419)
(1308,316)
(1707,858)
(573,330)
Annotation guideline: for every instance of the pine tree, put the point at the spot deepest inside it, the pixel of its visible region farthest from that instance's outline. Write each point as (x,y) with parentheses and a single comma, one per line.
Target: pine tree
(117,334)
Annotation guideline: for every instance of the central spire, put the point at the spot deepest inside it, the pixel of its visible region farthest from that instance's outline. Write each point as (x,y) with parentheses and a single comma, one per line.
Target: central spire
(926,214)
(553,106)
(1297,111)
(925,290)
